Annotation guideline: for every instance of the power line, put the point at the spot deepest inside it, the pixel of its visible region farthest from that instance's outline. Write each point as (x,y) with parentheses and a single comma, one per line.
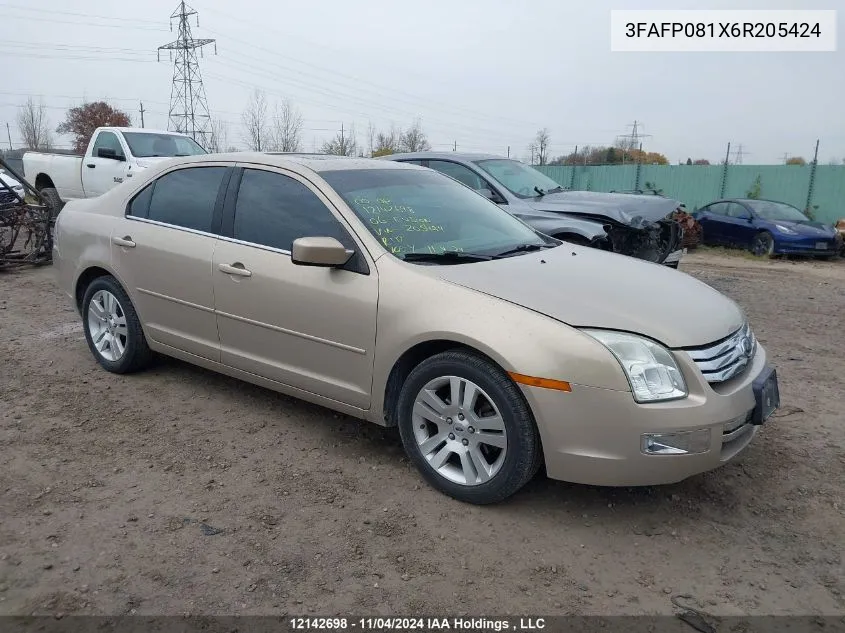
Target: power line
(41,18)
(188,103)
(18,7)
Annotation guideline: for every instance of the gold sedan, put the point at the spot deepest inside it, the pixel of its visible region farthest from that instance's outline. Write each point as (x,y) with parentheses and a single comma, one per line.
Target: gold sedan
(393,293)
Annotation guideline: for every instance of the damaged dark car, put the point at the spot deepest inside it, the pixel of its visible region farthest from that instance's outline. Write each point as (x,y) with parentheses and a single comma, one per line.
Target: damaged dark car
(630,224)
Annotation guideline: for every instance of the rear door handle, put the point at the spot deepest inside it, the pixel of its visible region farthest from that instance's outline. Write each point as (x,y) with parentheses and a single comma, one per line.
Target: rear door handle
(91,165)
(234,269)
(125,242)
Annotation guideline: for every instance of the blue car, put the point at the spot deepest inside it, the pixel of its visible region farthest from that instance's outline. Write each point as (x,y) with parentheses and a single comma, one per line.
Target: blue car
(766,228)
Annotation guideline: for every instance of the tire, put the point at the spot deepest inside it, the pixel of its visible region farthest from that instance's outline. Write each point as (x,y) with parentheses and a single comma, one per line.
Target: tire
(122,353)
(428,431)
(53,201)
(763,244)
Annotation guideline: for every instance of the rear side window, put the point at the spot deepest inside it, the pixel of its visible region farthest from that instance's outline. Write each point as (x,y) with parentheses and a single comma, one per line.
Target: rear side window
(274,210)
(187,197)
(140,205)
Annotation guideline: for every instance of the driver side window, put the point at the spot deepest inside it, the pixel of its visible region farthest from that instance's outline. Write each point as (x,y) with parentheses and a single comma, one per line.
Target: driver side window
(107,140)
(460,173)
(735,210)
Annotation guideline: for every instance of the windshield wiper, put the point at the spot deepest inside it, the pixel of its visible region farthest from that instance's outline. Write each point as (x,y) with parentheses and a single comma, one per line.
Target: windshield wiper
(522,248)
(446,256)
(544,192)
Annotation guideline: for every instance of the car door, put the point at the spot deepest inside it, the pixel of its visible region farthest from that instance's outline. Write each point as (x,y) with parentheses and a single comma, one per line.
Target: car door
(311,328)
(712,219)
(101,174)
(162,251)
(738,229)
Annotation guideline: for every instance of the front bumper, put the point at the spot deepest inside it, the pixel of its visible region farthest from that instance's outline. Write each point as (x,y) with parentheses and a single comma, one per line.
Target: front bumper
(795,245)
(595,436)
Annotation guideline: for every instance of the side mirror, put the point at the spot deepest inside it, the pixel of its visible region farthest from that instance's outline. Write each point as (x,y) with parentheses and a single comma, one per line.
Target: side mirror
(319,251)
(108,152)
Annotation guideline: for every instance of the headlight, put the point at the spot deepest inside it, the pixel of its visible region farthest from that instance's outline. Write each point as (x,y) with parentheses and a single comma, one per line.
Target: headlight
(651,369)
(785,229)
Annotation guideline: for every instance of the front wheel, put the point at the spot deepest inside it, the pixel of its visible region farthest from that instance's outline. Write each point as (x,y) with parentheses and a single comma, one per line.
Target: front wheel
(467,428)
(763,244)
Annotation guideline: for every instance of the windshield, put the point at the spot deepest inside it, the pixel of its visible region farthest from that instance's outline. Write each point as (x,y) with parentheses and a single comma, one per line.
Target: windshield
(423,211)
(518,178)
(775,211)
(149,144)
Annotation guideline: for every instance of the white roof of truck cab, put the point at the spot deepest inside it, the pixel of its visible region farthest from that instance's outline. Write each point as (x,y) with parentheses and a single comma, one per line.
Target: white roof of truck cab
(142,130)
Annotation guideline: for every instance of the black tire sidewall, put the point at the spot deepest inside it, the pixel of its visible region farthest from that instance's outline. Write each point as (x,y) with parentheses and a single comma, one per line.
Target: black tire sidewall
(136,346)
(523,457)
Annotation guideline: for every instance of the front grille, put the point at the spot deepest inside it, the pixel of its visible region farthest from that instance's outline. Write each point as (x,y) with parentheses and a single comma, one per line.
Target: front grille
(722,361)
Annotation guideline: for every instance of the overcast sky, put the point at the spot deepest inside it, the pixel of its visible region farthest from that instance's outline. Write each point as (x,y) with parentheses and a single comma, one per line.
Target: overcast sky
(485,74)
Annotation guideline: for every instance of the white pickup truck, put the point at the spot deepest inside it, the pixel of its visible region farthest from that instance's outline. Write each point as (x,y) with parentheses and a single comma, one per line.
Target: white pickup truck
(113,155)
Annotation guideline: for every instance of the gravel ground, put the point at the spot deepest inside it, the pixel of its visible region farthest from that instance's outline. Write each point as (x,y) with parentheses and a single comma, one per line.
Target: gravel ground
(180,491)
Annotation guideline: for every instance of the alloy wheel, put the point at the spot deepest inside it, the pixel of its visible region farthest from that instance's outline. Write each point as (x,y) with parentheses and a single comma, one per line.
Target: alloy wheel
(459,430)
(107,325)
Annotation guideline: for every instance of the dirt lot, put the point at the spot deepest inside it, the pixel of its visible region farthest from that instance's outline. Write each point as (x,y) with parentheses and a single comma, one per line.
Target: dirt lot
(181,491)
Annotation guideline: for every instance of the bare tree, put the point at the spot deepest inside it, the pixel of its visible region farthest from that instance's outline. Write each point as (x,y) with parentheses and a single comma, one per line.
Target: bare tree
(414,139)
(388,142)
(287,128)
(541,145)
(218,137)
(255,122)
(34,126)
(343,144)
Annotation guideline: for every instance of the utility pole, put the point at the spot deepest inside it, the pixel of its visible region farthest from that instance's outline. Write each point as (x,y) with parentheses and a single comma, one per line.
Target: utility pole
(9,134)
(455,147)
(188,104)
(142,113)
(725,172)
(739,155)
(509,151)
(342,139)
(812,183)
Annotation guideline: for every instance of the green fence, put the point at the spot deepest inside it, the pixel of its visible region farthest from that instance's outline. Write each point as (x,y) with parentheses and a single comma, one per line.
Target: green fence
(696,185)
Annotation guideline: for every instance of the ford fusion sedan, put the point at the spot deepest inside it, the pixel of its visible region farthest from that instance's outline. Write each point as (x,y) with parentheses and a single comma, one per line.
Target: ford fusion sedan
(638,226)
(766,228)
(394,294)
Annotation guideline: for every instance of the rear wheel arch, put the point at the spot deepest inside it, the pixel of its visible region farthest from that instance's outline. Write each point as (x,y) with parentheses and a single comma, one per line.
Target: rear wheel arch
(43,181)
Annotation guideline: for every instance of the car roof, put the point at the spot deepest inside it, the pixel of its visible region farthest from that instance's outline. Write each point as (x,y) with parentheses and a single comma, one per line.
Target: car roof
(314,162)
(465,156)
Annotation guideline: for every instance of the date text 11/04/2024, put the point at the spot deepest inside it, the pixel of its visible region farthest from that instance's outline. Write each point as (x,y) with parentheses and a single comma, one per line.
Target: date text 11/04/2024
(465,624)
(779,30)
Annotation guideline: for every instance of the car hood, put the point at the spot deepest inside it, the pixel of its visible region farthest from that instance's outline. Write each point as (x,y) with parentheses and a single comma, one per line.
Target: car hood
(585,287)
(816,229)
(629,209)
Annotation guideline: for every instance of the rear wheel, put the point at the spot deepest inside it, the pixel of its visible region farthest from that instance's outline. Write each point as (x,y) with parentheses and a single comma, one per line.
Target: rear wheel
(467,428)
(112,328)
(763,244)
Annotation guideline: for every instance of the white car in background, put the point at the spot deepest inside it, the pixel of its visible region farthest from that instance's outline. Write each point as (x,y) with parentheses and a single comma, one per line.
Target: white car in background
(7,196)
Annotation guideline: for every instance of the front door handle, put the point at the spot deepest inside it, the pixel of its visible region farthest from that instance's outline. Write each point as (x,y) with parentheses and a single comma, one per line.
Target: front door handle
(125,242)
(234,269)
(91,165)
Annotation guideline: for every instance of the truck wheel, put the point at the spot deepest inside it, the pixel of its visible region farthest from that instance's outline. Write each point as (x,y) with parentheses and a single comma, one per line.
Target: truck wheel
(54,202)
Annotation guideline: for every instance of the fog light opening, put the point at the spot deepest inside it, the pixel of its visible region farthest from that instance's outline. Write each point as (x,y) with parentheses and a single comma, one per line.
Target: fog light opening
(681,443)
